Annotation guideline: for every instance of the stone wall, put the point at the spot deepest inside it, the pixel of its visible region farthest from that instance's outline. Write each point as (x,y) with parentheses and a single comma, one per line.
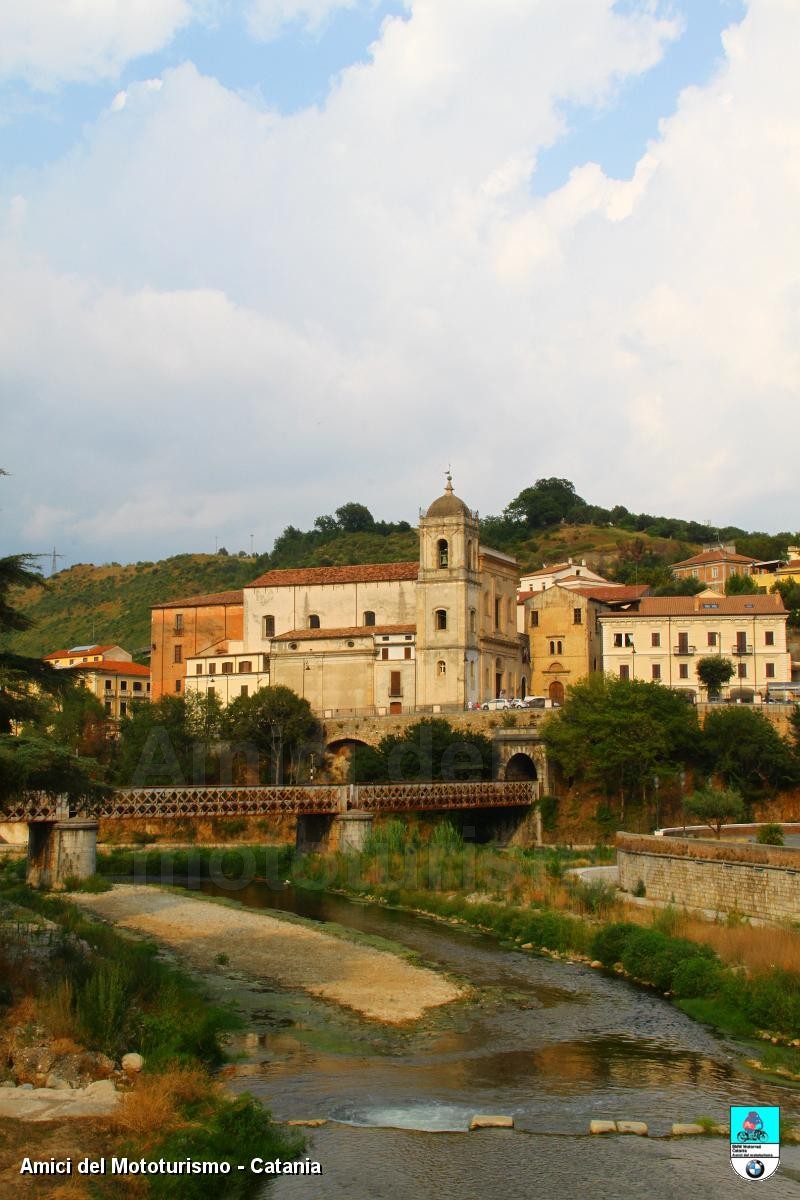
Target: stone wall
(756,881)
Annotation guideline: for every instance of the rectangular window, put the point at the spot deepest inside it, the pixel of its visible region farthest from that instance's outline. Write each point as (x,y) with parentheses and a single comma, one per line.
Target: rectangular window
(137,687)
(683,671)
(212,668)
(712,639)
(741,641)
(227,668)
(624,671)
(683,643)
(769,638)
(534,618)
(577,616)
(245,666)
(265,662)
(177,685)
(742,672)
(394,684)
(123,709)
(178,623)
(108,685)
(123,685)
(177,653)
(269,627)
(655,671)
(655,639)
(618,639)
(243,690)
(769,669)
(212,691)
(198,669)
(108,707)
(497,614)
(628,640)
(384,653)
(406,652)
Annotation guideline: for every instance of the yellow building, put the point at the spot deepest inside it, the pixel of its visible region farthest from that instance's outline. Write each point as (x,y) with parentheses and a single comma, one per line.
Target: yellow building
(563,632)
(661,639)
(766,575)
(109,673)
(435,634)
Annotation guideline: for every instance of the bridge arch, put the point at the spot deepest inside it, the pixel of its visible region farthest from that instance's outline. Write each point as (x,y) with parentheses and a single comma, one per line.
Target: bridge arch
(520,766)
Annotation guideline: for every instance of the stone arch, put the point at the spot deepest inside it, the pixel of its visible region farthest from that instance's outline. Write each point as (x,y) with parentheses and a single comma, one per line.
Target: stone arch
(339,754)
(521,766)
(442,554)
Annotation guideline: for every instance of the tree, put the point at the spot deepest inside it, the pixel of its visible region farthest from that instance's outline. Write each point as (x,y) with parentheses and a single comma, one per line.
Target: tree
(156,745)
(790,594)
(429,750)
(617,735)
(546,503)
(715,806)
(714,672)
(279,725)
(34,761)
(354,518)
(746,751)
(741,585)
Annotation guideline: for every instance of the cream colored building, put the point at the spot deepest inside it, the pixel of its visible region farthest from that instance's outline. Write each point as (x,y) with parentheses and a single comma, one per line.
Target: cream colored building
(81,655)
(662,638)
(435,634)
(568,574)
(109,673)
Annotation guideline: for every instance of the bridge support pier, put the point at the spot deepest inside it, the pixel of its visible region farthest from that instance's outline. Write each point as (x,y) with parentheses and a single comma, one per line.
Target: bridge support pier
(323,833)
(58,850)
(353,829)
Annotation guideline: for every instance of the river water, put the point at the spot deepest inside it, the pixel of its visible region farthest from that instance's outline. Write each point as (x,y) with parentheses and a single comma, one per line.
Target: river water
(553,1044)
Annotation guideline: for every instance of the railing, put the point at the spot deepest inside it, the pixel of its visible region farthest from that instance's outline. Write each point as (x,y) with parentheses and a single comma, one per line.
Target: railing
(684,651)
(743,649)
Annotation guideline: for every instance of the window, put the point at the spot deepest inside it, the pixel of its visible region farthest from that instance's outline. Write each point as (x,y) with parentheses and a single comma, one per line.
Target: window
(269,627)
(655,671)
(244,690)
(265,662)
(618,639)
(313,621)
(712,639)
(177,685)
(497,614)
(227,668)
(177,653)
(534,618)
(769,638)
(406,652)
(769,670)
(442,553)
(148,687)
(212,691)
(198,669)
(123,709)
(245,667)
(384,653)
(212,668)
(741,642)
(394,684)
(655,639)
(559,647)
(487,603)
(552,648)
(441,668)
(123,685)
(715,572)
(179,623)
(108,708)
(683,643)
(742,671)
(624,671)
(369,617)
(629,639)
(441,618)
(683,671)
(577,616)
(137,687)
(473,617)
(108,685)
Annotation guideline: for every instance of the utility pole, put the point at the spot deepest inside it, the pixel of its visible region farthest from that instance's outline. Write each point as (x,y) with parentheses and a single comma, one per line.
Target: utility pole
(53,563)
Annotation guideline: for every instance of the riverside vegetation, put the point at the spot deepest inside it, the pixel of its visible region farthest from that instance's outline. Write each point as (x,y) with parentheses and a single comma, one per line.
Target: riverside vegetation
(105,992)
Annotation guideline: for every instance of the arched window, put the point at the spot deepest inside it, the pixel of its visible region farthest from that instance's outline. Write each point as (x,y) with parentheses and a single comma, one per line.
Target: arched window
(442,553)
(559,649)
(471,555)
(552,647)
(369,617)
(440,616)
(313,621)
(441,667)
(472,620)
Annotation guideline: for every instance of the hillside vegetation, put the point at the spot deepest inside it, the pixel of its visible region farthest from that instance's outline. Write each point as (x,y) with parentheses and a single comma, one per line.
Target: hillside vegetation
(546,523)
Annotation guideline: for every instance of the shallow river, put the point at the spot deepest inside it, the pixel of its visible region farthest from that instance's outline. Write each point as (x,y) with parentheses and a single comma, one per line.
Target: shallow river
(551,1043)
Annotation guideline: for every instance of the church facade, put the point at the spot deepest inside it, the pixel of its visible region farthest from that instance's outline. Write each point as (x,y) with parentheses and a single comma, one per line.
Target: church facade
(436,634)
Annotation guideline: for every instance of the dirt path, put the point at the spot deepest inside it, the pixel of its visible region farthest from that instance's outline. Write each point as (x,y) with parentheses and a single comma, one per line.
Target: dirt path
(372,982)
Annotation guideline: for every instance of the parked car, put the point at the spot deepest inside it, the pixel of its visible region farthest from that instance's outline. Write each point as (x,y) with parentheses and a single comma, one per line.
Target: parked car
(498,705)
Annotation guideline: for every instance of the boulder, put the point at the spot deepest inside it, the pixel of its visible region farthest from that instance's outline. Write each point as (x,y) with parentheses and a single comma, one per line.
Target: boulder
(637,1127)
(132,1063)
(491,1122)
(602,1127)
(57,1082)
(596,964)
(32,1064)
(102,1087)
(689,1130)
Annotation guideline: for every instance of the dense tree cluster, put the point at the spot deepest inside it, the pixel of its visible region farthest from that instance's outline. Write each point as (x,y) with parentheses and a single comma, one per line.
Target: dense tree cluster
(428,751)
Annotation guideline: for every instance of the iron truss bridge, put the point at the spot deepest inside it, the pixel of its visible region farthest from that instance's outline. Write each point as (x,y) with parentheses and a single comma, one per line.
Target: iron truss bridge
(169,802)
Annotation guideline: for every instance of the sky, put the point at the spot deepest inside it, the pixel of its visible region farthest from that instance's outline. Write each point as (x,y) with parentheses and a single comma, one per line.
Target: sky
(262,257)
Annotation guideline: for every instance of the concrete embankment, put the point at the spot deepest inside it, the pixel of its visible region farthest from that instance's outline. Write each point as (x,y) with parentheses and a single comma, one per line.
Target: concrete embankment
(374,983)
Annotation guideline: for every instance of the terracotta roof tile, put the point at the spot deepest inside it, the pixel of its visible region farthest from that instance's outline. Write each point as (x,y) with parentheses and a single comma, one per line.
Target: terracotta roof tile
(113,668)
(688,606)
(83,650)
(206,601)
(615,594)
(714,556)
(351,631)
(547,570)
(355,573)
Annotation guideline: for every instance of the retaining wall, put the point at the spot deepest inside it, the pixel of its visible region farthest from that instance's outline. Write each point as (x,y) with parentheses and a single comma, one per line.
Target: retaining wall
(757,881)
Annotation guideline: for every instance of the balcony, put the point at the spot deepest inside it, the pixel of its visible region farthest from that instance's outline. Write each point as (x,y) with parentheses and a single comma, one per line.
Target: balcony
(743,649)
(684,651)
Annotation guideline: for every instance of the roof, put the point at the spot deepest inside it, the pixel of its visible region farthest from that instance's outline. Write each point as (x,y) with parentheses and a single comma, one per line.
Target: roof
(792,565)
(206,601)
(488,552)
(354,573)
(76,650)
(112,668)
(614,594)
(696,606)
(548,570)
(352,631)
(714,556)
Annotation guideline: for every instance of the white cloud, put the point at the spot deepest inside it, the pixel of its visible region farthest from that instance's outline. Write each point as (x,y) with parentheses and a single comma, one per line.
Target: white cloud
(222,319)
(266,18)
(49,41)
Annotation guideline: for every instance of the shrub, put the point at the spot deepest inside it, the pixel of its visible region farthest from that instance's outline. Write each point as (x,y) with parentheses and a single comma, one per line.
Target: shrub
(640,889)
(770,834)
(102,1006)
(608,944)
(386,838)
(772,1000)
(696,976)
(93,884)
(445,836)
(548,807)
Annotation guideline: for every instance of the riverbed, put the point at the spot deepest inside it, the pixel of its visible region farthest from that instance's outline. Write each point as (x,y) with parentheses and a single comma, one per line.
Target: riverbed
(553,1044)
